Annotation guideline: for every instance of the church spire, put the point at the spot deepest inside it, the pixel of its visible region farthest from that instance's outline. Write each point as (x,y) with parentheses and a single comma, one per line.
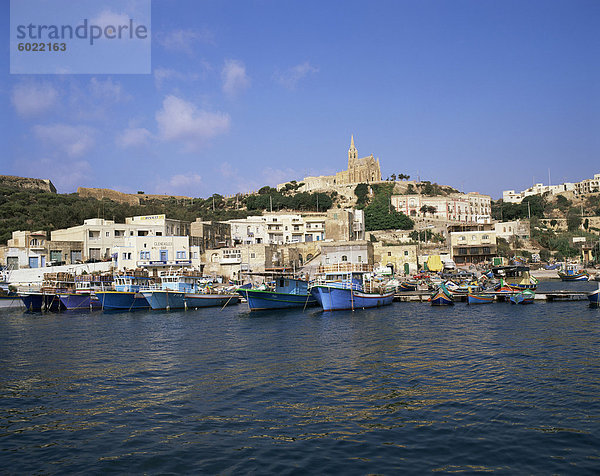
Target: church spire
(352,152)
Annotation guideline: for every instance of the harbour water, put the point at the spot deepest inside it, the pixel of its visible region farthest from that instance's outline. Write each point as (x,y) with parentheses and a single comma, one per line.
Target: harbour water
(405,389)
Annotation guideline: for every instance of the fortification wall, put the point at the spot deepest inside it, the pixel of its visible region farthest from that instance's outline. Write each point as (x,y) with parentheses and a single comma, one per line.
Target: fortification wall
(27,183)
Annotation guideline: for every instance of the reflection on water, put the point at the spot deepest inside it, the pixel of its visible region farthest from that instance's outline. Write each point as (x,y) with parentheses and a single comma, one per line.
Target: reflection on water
(406,388)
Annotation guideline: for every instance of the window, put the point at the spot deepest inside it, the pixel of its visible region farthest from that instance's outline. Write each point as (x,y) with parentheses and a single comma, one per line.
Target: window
(473,238)
(124,255)
(252,255)
(144,255)
(344,258)
(405,253)
(180,254)
(485,237)
(359,258)
(108,233)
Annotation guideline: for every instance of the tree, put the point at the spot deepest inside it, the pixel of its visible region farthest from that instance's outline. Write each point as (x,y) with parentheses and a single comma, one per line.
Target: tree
(586,224)
(393,177)
(573,219)
(361,191)
(553,223)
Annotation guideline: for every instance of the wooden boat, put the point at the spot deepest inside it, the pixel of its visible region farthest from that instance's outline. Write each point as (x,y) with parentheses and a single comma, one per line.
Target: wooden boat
(285,293)
(573,272)
(480,298)
(525,297)
(347,287)
(515,276)
(442,297)
(406,286)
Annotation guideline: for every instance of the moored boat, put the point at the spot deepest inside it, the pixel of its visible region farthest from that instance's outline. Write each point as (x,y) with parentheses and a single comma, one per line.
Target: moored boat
(515,276)
(480,298)
(285,293)
(9,298)
(47,297)
(84,297)
(573,272)
(524,297)
(407,286)
(442,297)
(126,295)
(347,287)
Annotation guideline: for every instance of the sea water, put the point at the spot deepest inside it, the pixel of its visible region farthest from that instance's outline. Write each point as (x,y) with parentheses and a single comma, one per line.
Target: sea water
(405,389)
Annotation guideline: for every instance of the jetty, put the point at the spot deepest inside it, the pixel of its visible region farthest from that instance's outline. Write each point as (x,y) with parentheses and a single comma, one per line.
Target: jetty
(551,296)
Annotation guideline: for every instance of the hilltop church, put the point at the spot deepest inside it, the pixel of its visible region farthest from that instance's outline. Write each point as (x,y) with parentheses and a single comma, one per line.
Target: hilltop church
(363,170)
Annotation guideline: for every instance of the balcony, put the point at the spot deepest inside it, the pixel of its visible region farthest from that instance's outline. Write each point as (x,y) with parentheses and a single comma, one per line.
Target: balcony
(231,260)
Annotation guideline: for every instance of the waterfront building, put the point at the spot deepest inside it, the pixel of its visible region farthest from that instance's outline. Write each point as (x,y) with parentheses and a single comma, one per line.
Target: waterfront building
(360,170)
(401,259)
(211,234)
(353,252)
(32,249)
(584,187)
(99,236)
(156,253)
(471,247)
(278,228)
(465,207)
(513,229)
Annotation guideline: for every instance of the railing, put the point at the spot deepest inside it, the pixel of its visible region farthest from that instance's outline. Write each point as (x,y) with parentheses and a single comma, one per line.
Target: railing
(345,268)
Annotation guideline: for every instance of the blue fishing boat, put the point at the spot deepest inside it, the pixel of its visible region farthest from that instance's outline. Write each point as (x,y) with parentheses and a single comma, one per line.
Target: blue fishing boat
(338,290)
(84,297)
(127,295)
(594,297)
(525,297)
(573,272)
(442,297)
(47,297)
(406,286)
(284,293)
(480,298)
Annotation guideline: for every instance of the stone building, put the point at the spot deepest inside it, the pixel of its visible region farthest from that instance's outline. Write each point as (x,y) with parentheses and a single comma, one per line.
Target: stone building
(360,170)
(401,259)
(211,234)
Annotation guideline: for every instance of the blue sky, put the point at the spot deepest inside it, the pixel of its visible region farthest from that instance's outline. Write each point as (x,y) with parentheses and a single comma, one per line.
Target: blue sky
(480,95)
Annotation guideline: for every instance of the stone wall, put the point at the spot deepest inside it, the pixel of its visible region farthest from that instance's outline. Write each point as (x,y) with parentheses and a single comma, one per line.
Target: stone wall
(27,183)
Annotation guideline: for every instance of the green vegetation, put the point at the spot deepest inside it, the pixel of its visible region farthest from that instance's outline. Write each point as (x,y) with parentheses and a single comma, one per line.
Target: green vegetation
(379,215)
(268,198)
(535,204)
(38,210)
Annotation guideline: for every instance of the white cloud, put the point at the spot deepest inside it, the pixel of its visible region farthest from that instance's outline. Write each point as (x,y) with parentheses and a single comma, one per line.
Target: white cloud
(110,18)
(32,99)
(180,120)
(161,75)
(292,76)
(108,90)
(185,40)
(234,77)
(74,141)
(134,137)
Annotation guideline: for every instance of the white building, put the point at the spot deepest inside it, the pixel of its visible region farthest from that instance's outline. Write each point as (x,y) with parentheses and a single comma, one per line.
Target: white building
(156,252)
(467,208)
(517,228)
(278,228)
(581,188)
(99,236)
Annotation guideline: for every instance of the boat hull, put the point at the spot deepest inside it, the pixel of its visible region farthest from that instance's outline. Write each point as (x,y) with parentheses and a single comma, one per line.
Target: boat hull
(42,302)
(122,300)
(574,277)
(80,301)
(338,299)
(165,299)
(259,300)
(196,301)
(407,287)
(522,298)
(480,298)
(594,298)
(441,299)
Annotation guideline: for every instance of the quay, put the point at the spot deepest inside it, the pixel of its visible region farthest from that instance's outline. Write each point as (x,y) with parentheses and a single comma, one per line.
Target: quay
(561,295)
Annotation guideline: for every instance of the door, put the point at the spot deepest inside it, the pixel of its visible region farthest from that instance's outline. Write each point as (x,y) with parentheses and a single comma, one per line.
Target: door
(406,268)
(164,255)
(33,262)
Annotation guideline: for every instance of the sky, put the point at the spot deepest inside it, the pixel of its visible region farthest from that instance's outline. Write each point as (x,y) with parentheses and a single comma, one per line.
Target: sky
(481,95)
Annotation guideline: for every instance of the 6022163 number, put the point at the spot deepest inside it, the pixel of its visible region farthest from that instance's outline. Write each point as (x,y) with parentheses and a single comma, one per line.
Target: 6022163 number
(42,47)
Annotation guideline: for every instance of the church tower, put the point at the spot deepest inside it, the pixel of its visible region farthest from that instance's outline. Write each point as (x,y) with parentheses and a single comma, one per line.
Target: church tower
(352,153)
